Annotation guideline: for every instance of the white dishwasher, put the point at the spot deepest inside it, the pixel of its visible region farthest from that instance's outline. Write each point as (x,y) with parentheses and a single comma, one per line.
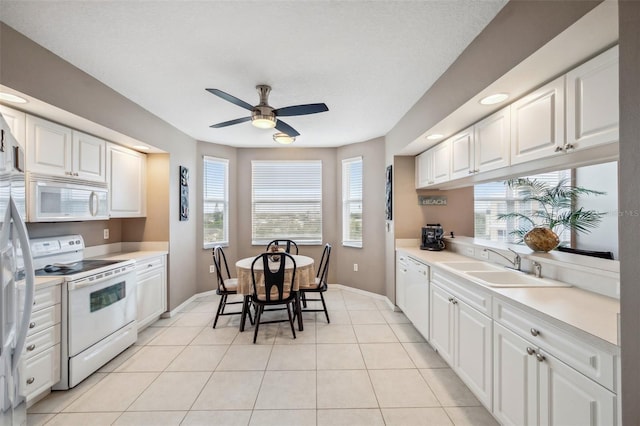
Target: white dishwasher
(417,296)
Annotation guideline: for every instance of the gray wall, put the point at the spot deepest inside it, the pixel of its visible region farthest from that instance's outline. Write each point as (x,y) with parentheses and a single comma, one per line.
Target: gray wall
(629,196)
(29,68)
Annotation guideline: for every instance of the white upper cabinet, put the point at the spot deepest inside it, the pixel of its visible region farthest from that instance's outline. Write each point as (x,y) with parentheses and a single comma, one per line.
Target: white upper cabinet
(592,102)
(462,154)
(48,147)
(537,123)
(434,165)
(424,169)
(491,141)
(57,150)
(89,157)
(127,171)
(16,121)
(441,162)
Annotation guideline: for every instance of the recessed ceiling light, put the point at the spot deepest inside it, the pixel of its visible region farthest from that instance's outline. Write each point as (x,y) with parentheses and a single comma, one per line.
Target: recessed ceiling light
(9,97)
(141,147)
(435,136)
(494,99)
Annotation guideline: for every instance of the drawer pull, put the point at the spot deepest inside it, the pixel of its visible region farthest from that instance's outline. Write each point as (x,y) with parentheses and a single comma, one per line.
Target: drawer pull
(534,332)
(32,324)
(31,347)
(31,380)
(530,350)
(540,357)
(451,299)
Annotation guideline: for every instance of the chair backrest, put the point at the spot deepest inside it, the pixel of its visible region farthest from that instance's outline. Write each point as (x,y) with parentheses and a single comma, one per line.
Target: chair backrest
(273,279)
(287,244)
(220,261)
(323,267)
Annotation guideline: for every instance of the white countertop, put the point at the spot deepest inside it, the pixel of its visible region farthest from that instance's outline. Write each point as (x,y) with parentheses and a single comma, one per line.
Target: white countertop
(43,282)
(589,312)
(134,255)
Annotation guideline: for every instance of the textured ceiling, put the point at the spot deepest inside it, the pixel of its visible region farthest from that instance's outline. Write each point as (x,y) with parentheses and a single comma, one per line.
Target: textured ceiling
(369,61)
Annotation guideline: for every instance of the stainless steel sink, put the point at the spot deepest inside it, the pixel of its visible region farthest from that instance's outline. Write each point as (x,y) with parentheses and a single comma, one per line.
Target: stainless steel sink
(512,279)
(465,266)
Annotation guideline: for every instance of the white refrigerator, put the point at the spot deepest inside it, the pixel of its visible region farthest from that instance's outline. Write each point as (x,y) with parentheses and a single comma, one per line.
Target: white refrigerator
(16,279)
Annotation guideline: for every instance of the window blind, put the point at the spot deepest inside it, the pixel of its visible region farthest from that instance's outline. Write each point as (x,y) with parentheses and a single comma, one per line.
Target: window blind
(352,202)
(491,199)
(215,201)
(286,201)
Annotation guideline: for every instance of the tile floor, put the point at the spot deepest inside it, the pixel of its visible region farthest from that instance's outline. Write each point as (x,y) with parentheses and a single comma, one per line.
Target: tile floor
(368,367)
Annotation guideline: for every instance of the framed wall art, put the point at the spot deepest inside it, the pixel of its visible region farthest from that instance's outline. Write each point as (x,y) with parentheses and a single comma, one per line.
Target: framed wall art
(184,193)
(388,194)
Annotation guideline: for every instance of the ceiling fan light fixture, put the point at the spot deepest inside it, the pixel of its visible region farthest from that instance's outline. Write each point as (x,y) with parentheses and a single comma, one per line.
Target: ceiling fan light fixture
(283,138)
(264,121)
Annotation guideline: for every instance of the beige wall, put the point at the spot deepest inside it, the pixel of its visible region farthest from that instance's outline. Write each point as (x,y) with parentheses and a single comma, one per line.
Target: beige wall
(629,199)
(29,68)
(370,275)
(91,231)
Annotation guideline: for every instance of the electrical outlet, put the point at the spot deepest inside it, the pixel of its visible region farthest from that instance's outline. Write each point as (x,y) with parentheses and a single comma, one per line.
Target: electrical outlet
(106,233)
(355,267)
(469,251)
(212,269)
(484,254)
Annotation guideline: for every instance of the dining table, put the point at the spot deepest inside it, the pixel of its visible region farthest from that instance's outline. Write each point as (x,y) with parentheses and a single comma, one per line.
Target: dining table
(304,276)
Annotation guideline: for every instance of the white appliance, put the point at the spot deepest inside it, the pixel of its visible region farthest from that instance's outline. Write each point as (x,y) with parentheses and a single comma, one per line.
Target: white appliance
(16,280)
(98,305)
(59,199)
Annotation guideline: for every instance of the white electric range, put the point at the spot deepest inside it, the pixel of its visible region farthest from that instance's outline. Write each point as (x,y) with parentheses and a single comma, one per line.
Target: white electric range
(98,305)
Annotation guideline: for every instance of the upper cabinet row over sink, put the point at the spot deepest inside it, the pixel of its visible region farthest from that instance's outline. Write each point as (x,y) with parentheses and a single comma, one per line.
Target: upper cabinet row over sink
(568,115)
(55,150)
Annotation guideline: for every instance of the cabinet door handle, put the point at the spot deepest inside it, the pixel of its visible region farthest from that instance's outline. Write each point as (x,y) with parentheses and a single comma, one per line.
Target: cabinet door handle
(540,357)
(534,332)
(32,324)
(455,302)
(559,149)
(31,380)
(450,300)
(530,350)
(31,347)
(471,172)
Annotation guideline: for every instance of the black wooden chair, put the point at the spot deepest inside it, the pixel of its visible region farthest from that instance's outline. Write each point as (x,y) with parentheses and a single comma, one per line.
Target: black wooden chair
(320,285)
(289,246)
(226,285)
(275,290)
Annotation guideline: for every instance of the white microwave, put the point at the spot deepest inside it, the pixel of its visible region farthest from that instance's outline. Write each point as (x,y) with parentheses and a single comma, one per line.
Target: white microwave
(58,199)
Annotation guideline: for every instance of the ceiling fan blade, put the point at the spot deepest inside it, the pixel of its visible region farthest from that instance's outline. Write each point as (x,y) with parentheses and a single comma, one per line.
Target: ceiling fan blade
(230,98)
(301,110)
(230,122)
(285,128)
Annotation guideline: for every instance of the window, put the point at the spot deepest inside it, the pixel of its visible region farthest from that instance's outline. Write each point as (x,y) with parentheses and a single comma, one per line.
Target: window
(496,198)
(352,202)
(286,201)
(215,201)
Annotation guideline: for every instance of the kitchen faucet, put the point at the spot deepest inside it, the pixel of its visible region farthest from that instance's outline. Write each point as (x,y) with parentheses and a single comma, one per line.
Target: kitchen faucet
(515,262)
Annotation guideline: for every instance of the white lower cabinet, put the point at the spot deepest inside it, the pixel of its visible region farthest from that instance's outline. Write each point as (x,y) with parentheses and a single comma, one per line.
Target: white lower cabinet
(532,387)
(151,290)
(402,270)
(41,368)
(462,336)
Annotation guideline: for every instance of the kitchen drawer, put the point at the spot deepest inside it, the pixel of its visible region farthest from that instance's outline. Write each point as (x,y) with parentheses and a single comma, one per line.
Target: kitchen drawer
(471,293)
(44,318)
(593,362)
(46,297)
(148,264)
(38,342)
(41,372)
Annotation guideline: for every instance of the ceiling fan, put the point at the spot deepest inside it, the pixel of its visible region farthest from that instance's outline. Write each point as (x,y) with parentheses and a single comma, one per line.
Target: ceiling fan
(265,116)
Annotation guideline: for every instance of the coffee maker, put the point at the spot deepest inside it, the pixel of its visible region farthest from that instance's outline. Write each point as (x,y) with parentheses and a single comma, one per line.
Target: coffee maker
(432,237)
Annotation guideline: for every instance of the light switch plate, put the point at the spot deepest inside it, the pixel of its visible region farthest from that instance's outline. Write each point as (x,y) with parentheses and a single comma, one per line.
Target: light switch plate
(106,233)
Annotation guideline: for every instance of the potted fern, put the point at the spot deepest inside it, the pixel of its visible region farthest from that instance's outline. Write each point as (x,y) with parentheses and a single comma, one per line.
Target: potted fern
(552,213)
